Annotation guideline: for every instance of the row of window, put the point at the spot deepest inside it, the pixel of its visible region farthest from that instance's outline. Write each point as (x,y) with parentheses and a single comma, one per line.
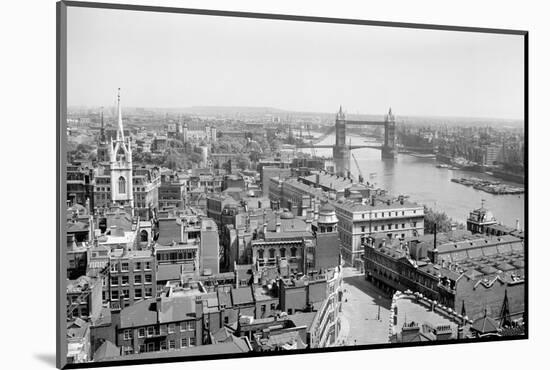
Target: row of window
(163,346)
(125,266)
(124,280)
(151,331)
(175,256)
(383,214)
(382,227)
(138,293)
(282,252)
(108,188)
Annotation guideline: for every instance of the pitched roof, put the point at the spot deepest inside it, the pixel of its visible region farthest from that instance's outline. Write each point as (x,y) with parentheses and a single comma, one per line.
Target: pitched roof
(242,295)
(302,319)
(485,325)
(107,351)
(144,312)
(223,334)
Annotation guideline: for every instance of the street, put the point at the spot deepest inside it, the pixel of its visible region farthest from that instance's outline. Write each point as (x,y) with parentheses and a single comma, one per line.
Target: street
(365,311)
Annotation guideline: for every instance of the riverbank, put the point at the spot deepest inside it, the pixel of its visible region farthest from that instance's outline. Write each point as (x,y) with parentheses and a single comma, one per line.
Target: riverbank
(491,187)
(462,164)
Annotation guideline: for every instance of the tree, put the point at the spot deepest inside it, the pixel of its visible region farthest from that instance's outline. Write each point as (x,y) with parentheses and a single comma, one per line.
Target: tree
(432,217)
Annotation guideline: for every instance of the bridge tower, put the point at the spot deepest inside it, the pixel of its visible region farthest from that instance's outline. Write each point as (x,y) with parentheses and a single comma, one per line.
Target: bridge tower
(340,151)
(389,149)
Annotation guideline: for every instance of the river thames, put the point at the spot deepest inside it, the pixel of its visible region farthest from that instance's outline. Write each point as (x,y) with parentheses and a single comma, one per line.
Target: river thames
(424,183)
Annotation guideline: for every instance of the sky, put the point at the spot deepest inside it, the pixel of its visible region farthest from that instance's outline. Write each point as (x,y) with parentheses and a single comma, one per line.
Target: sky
(162,60)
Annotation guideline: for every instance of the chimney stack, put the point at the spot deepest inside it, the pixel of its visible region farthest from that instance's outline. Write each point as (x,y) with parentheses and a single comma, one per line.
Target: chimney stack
(158,307)
(317,179)
(199,307)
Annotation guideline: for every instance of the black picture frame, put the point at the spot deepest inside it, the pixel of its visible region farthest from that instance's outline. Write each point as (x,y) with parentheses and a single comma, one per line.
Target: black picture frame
(61,164)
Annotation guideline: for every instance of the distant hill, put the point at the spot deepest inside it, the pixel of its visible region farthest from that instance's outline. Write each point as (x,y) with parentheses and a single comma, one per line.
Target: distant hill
(220,110)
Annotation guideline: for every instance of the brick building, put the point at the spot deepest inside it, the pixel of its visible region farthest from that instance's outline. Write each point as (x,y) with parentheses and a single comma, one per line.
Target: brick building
(469,273)
(132,276)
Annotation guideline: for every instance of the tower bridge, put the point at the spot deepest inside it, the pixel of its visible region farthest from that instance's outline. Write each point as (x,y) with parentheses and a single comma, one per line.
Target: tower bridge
(341,150)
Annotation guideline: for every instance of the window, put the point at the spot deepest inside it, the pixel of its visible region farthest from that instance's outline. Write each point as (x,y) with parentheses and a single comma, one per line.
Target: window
(147,265)
(122,185)
(163,345)
(138,294)
(142,348)
(190,325)
(114,280)
(362,229)
(126,293)
(150,347)
(137,266)
(414,224)
(389,226)
(114,267)
(382,214)
(273,306)
(226,320)
(124,266)
(397,226)
(148,292)
(260,254)
(184,342)
(263,309)
(148,279)
(192,341)
(124,280)
(127,334)
(171,328)
(402,226)
(376,228)
(141,332)
(272,253)
(150,331)
(137,279)
(382,227)
(172,344)
(114,295)
(282,251)
(293,252)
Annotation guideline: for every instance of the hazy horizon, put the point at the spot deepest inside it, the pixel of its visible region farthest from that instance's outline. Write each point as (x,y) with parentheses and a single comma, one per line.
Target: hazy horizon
(180,61)
(283,111)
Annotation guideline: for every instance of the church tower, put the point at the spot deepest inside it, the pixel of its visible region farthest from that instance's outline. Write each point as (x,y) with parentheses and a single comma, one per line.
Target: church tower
(120,152)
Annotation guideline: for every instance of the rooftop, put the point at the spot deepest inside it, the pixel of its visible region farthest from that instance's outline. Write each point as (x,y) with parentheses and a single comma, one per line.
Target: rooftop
(144,312)
(409,311)
(238,345)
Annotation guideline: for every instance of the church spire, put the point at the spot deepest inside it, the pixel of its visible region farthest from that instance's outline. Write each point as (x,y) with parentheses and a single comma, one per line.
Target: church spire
(102,132)
(120,131)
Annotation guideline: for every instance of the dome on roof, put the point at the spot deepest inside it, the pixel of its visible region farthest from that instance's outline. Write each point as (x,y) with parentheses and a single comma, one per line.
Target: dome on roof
(287,215)
(327,208)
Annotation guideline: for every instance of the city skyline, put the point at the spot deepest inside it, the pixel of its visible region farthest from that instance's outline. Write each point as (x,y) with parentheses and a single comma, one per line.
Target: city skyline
(298,66)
